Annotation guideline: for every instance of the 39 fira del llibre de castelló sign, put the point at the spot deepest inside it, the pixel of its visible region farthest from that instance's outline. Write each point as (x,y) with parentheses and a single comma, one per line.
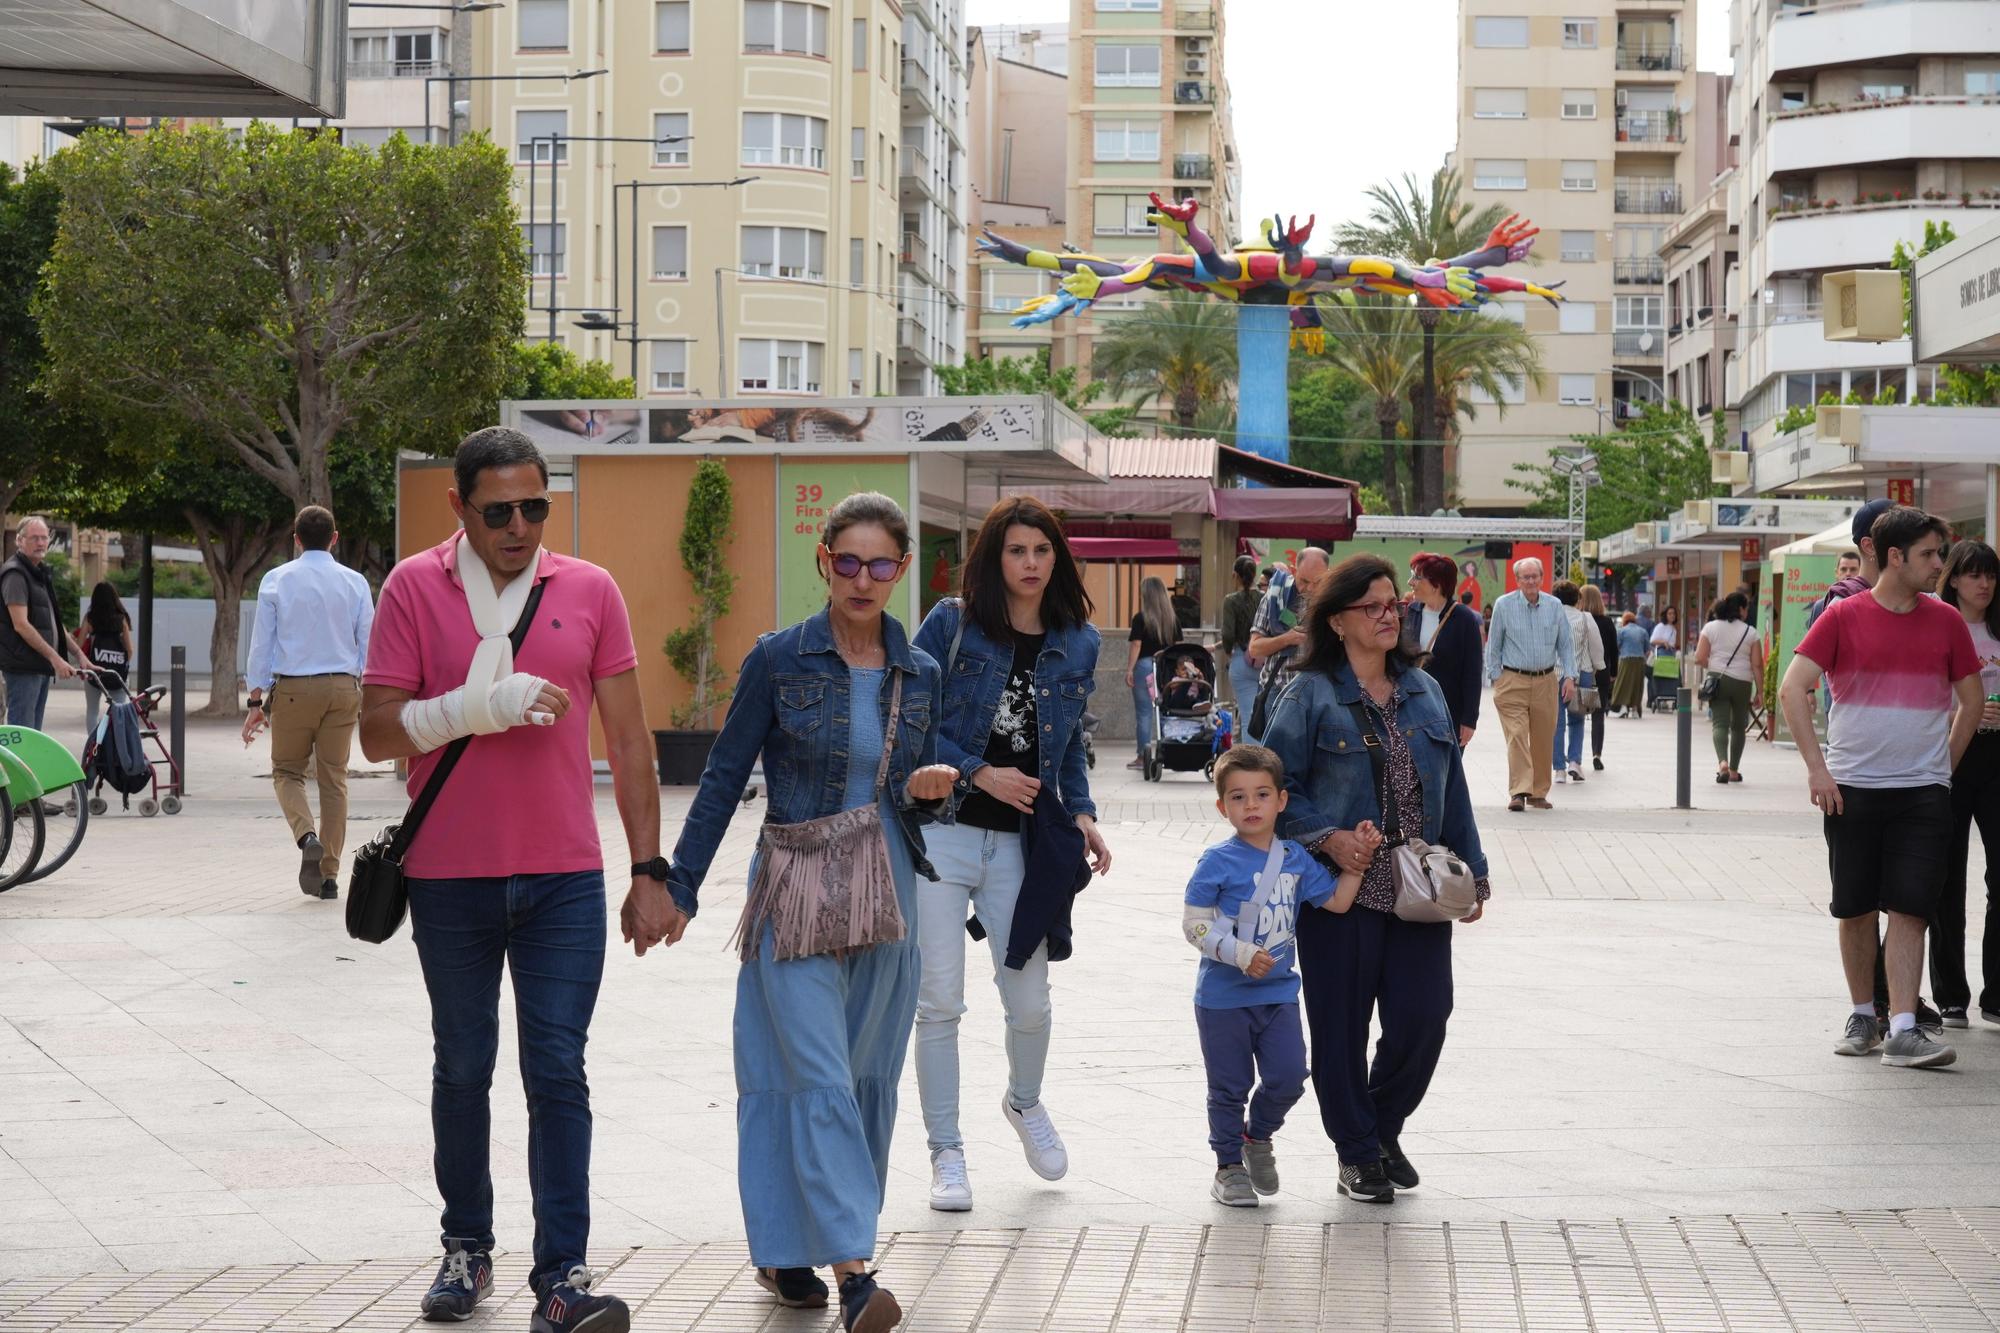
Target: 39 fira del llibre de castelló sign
(1955,300)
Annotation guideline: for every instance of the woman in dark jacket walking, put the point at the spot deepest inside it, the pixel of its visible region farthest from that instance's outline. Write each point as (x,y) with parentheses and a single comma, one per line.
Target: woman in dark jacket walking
(1444,637)
(1591,602)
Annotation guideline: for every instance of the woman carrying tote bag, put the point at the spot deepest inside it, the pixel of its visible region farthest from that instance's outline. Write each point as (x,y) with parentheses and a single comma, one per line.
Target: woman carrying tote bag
(843,710)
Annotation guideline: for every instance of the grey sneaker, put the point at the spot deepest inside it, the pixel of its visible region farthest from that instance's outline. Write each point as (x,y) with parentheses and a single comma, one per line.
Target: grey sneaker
(310,878)
(1863,1035)
(1915,1048)
(1260,1156)
(1232,1187)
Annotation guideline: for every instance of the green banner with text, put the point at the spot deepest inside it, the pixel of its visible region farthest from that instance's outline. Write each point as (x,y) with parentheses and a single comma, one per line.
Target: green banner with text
(808,489)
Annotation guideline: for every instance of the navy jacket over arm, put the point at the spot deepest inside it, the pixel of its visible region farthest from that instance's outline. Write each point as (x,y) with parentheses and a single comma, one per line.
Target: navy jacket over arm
(1457,664)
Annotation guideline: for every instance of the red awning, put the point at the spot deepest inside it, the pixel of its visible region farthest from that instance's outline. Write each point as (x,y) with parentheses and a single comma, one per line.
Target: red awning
(1271,504)
(1160,550)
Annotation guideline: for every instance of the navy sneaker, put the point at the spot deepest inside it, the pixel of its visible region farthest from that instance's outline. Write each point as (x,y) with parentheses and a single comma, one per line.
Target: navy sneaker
(568,1307)
(865,1307)
(464,1279)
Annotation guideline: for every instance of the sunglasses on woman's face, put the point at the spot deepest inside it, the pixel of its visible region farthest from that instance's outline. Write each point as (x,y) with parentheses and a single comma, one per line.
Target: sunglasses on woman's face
(881,569)
(499,515)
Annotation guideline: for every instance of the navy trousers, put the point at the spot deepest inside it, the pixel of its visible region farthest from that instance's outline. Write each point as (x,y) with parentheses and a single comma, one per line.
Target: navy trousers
(1260,1045)
(1352,963)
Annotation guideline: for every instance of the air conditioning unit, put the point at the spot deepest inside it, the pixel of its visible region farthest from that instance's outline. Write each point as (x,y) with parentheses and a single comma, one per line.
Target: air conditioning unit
(1622,97)
(1197,46)
(1197,65)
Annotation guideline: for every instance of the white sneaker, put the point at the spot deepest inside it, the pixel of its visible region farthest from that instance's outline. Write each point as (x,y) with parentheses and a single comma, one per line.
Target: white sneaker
(1559,779)
(951,1192)
(1046,1155)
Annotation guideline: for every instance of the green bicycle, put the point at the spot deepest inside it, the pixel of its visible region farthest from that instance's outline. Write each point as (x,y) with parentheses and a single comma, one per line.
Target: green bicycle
(43,804)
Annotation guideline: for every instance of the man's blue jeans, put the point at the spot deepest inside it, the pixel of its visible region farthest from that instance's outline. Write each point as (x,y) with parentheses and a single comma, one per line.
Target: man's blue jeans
(549,931)
(27,698)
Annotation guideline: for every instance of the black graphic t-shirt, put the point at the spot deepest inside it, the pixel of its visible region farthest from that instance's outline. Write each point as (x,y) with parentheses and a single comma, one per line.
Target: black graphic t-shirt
(1014,742)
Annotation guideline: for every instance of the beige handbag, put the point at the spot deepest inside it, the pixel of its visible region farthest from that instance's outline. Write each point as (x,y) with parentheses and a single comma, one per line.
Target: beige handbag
(1432,884)
(826,885)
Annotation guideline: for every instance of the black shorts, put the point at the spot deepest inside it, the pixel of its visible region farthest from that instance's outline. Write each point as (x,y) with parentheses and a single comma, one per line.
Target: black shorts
(1889,849)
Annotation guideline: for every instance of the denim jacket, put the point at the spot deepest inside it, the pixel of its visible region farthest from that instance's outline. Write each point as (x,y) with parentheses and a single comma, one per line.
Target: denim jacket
(1330,778)
(791,706)
(1065,674)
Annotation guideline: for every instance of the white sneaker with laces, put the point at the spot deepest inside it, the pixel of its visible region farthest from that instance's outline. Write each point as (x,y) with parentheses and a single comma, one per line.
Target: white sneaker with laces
(951,1191)
(1046,1155)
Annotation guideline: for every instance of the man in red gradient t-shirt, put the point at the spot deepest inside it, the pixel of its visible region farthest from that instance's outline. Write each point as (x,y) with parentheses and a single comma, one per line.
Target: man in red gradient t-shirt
(1900,662)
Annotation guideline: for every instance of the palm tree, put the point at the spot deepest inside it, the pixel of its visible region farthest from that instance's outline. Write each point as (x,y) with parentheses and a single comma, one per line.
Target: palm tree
(1377,342)
(1479,352)
(1182,348)
(1422,223)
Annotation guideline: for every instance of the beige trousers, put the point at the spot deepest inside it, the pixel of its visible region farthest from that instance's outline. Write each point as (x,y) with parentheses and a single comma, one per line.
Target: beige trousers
(1527,707)
(313,720)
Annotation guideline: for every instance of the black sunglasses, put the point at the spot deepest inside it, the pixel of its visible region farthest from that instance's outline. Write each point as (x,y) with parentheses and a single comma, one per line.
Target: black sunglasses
(499,515)
(847,565)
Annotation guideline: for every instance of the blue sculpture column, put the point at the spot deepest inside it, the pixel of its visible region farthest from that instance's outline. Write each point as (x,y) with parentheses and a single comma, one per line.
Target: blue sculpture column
(1263,403)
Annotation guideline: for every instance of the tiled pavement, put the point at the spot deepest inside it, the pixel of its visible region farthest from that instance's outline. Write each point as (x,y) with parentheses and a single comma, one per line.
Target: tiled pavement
(213,1101)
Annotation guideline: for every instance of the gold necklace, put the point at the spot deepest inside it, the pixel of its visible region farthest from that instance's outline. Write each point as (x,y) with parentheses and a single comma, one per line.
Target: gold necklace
(849,654)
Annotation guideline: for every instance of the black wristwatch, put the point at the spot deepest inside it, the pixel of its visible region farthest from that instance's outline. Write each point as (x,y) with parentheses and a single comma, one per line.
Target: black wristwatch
(657,868)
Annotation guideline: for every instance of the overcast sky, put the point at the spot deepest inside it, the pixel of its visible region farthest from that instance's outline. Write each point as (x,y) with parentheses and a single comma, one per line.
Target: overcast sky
(1314,136)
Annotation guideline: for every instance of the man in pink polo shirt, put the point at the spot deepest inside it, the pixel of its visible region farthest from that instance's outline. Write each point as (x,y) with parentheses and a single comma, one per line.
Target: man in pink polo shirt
(507,868)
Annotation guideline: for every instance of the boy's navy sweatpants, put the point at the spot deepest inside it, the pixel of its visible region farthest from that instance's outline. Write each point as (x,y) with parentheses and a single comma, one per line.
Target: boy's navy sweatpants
(1261,1046)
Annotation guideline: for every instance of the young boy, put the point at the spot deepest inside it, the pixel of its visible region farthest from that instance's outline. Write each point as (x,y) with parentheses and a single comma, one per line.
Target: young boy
(1246,995)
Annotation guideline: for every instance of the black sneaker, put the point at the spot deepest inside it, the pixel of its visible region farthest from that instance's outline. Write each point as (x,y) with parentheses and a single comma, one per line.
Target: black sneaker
(1953,1015)
(865,1307)
(795,1288)
(568,1307)
(464,1279)
(1366,1182)
(1930,1020)
(1400,1173)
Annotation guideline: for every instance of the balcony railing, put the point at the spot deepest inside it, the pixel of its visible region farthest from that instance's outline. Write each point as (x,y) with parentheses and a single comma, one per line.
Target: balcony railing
(1637,342)
(1191,92)
(1200,19)
(1653,271)
(914,163)
(1193,166)
(393,69)
(1638,195)
(1649,56)
(916,250)
(1649,127)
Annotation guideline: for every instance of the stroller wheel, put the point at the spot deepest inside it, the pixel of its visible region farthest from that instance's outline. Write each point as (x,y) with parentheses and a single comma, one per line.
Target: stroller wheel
(98,805)
(170,803)
(149,807)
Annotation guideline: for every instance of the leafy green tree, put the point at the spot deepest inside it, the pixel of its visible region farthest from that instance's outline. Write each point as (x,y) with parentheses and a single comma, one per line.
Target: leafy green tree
(1958,385)
(550,370)
(1650,468)
(1478,352)
(1011,376)
(1182,348)
(704,555)
(1327,404)
(1423,222)
(1376,342)
(274,293)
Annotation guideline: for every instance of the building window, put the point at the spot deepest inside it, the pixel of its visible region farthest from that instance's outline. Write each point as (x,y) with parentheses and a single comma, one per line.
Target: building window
(1121,215)
(1499,103)
(670,252)
(670,367)
(856,373)
(1127,140)
(857,262)
(1579,104)
(777,365)
(1884,92)
(1576,390)
(1007,290)
(1579,247)
(788,141)
(1636,312)
(670,139)
(671,27)
(1493,30)
(1121,66)
(784,252)
(1513,312)
(546,242)
(857,152)
(860,40)
(1579,174)
(532,125)
(1579,34)
(784,26)
(543,24)
(1128,6)
(1982,80)
(1499,173)
(1577,317)
(395,55)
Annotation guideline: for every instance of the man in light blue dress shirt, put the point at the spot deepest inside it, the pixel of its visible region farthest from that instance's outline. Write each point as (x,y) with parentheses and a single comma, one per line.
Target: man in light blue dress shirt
(307,649)
(1532,663)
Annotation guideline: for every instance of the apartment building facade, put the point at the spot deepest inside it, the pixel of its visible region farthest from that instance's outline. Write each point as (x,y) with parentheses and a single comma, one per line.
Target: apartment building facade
(1577,116)
(1856,123)
(1018,169)
(931,184)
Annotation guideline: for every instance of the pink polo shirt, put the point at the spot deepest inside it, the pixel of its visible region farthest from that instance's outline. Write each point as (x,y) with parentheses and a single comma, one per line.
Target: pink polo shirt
(520,802)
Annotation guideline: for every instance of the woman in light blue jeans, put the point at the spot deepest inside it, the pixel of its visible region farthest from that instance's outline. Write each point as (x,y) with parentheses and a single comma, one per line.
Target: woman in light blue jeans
(1020,659)
(1566,756)
(1153,630)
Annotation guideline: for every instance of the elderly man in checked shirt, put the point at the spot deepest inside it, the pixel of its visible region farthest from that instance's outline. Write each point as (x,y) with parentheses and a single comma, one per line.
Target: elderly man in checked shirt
(1528,642)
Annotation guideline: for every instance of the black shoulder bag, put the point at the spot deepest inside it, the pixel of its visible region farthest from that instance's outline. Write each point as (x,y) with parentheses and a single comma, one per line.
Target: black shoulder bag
(378,894)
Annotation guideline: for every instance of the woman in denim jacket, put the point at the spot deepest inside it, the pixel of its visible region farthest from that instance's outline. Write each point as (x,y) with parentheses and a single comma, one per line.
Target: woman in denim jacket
(1020,666)
(1359,684)
(819,1041)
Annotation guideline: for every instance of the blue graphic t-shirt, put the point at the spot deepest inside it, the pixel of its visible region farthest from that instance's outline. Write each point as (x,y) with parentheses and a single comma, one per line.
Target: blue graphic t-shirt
(1226,878)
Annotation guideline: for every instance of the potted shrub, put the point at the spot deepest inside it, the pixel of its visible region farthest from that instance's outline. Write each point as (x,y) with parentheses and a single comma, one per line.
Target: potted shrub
(683,748)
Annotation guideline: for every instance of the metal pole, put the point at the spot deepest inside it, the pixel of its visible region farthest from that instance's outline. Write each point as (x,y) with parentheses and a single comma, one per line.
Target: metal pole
(1683,749)
(555,207)
(145,610)
(617,315)
(635,287)
(721,364)
(177,733)
(1992,503)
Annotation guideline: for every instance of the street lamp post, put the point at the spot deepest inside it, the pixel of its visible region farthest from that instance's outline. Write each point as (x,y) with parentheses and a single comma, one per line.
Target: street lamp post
(451,82)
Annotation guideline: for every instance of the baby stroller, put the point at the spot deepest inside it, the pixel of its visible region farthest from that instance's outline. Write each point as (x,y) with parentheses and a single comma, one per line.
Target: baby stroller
(1189,728)
(117,753)
(1663,683)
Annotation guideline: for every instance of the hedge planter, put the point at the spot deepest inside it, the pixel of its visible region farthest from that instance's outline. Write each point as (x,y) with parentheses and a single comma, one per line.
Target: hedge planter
(682,755)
